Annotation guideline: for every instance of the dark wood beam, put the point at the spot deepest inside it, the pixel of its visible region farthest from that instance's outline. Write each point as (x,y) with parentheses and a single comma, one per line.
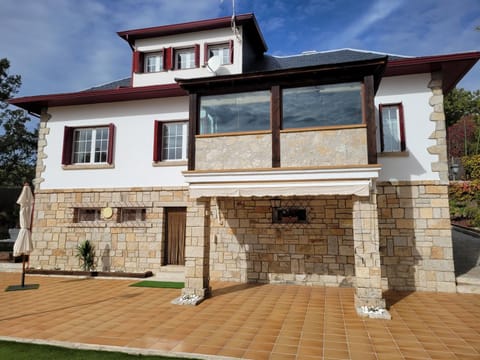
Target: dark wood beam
(194,112)
(276,123)
(369,117)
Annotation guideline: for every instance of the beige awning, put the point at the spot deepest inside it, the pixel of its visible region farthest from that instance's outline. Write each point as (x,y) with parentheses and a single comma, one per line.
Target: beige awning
(282,182)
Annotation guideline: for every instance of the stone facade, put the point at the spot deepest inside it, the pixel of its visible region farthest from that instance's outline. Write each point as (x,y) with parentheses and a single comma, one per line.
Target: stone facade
(128,246)
(415,236)
(324,147)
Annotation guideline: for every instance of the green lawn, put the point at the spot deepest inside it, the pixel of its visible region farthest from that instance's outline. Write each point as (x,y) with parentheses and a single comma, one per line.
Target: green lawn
(160,284)
(21,351)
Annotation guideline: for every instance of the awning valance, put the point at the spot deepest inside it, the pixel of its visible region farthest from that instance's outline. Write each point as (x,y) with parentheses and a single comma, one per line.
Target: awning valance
(282,182)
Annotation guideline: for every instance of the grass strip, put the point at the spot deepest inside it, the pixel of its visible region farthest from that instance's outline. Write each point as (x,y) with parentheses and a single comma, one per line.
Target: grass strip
(160,284)
(25,351)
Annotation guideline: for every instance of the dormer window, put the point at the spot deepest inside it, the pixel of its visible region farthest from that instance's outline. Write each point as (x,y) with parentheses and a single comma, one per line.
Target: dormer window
(224,51)
(185,58)
(154,62)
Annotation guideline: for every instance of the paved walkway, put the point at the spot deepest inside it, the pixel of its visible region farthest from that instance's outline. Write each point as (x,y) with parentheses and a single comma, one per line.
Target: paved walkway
(242,321)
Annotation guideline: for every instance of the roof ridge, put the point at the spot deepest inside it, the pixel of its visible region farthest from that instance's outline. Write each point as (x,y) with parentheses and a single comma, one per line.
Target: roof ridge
(314,52)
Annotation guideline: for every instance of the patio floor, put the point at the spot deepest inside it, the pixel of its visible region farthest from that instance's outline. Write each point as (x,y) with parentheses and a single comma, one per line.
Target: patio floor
(242,321)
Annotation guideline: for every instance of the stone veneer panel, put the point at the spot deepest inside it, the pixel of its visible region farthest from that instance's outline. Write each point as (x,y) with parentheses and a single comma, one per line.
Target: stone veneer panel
(130,246)
(247,247)
(324,147)
(233,152)
(415,236)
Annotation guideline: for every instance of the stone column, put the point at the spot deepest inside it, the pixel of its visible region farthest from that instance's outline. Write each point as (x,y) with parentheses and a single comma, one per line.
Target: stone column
(368,295)
(197,250)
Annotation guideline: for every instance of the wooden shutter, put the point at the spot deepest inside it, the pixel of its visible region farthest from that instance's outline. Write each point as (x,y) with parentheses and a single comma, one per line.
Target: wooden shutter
(205,53)
(230,45)
(197,55)
(168,58)
(67,145)
(157,141)
(111,143)
(137,65)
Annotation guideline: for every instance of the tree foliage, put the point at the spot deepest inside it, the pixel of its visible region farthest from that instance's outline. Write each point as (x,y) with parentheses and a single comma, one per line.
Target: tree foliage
(461,102)
(18,143)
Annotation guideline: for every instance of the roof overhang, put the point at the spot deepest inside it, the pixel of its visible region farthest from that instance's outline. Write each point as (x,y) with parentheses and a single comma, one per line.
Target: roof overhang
(247,21)
(282,182)
(34,104)
(453,67)
(331,73)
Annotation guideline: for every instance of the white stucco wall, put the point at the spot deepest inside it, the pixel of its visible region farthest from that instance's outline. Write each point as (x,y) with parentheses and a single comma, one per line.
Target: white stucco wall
(413,92)
(185,40)
(133,151)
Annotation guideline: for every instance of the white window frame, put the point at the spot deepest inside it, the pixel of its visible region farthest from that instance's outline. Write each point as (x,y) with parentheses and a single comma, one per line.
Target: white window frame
(157,62)
(220,50)
(165,146)
(392,128)
(79,146)
(189,62)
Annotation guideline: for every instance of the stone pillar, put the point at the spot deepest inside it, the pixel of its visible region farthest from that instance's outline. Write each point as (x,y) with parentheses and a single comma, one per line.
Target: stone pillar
(368,295)
(43,131)
(197,250)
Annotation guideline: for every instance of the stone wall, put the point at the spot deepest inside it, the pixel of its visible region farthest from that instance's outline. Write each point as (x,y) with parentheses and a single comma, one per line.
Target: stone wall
(415,236)
(131,246)
(324,147)
(246,246)
(233,152)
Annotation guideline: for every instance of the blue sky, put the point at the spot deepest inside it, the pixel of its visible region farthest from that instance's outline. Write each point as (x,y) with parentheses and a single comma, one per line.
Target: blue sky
(69,45)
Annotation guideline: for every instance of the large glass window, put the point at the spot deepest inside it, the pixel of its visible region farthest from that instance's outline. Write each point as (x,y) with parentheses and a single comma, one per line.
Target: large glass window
(249,111)
(322,105)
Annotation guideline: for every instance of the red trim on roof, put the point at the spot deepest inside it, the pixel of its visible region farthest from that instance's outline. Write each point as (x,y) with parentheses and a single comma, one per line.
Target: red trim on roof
(34,104)
(247,20)
(453,66)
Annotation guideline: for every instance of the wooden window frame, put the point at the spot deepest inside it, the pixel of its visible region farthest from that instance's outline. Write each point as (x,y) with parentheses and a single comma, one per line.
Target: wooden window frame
(67,150)
(401,120)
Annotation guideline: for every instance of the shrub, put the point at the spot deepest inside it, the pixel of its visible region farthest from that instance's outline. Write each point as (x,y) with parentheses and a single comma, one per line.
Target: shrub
(471,165)
(464,201)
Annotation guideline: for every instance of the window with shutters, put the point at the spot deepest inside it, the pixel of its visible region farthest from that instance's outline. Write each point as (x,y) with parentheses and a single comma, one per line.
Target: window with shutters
(392,132)
(170,141)
(88,145)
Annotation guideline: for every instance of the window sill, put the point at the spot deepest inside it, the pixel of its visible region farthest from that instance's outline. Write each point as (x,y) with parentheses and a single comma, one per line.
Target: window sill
(170,163)
(88,166)
(394,154)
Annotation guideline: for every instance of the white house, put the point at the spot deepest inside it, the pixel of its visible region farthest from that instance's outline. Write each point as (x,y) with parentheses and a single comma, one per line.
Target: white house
(325,168)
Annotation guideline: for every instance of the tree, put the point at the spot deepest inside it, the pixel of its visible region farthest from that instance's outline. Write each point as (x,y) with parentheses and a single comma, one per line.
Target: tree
(461,102)
(18,144)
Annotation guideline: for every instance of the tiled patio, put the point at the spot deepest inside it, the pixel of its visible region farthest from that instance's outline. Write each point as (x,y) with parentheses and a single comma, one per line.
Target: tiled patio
(253,322)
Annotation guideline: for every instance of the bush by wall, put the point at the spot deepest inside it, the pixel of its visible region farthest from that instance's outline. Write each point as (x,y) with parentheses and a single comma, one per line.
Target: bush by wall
(464,199)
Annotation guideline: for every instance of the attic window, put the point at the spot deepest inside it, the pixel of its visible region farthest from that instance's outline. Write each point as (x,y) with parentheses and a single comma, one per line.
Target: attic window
(154,62)
(186,58)
(224,51)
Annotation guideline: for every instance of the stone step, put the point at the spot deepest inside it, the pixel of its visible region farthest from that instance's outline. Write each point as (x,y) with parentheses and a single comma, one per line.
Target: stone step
(170,273)
(468,289)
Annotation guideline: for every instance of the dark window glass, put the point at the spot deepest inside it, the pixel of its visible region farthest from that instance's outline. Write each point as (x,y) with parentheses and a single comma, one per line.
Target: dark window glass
(249,111)
(322,105)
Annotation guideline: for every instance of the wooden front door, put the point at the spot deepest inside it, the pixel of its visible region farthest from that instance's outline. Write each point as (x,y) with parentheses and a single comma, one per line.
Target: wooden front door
(176,221)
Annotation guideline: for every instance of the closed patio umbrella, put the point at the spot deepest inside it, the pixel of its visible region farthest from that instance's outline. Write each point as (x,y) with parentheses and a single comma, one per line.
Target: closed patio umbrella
(23,244)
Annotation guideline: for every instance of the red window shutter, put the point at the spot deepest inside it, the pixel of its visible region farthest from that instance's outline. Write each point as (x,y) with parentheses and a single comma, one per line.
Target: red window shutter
(205,53)
(137,66)
(168,58)
(111,143)
(197,55)
(157,141)
(67,145)
(230,45)
(403,146)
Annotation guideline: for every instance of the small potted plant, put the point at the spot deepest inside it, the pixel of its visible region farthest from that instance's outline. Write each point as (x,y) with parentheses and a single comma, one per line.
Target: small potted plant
(86,254)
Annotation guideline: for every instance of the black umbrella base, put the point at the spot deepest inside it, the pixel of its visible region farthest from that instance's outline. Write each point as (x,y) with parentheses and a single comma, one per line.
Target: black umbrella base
(20,287)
